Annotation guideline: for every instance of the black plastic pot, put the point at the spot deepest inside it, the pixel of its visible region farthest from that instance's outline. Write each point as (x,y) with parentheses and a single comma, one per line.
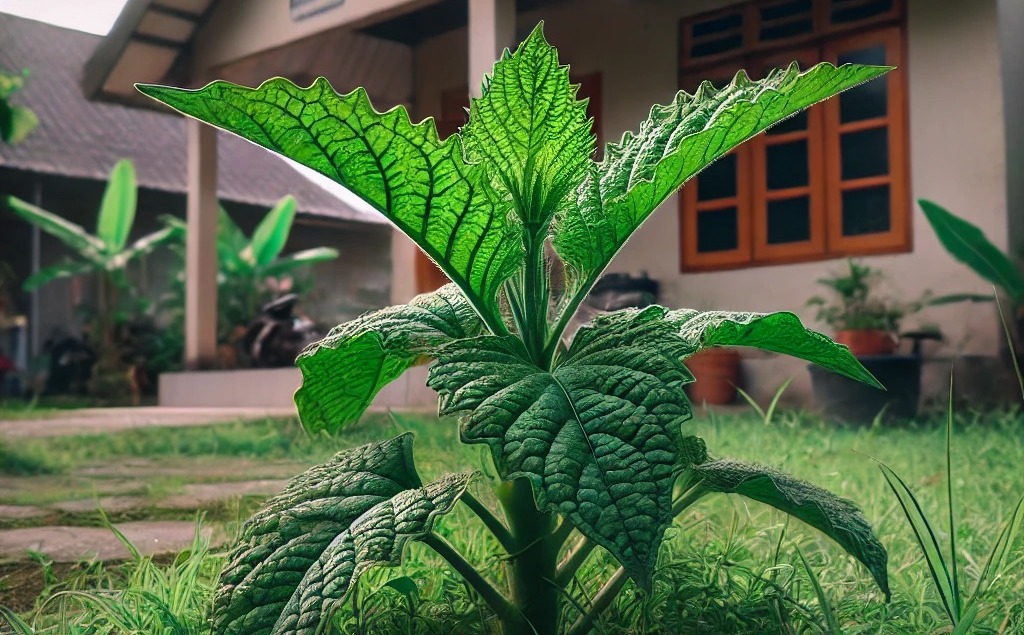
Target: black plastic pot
(850,401)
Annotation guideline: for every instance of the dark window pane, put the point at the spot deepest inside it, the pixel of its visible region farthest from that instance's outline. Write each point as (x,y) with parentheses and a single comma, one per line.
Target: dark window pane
(787,29)
(718,180)
(785,10)
(851,11)
(865,153)
(794,123)
(717,230)
(867,100)
(866,211)
(717,25)
(789,220)
(714,47)
(787,165)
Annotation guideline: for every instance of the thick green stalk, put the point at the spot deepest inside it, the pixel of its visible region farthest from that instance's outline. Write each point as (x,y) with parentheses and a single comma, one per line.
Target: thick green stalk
(531,569)
(536,296)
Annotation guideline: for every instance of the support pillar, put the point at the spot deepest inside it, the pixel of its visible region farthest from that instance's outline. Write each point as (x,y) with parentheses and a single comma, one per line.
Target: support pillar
(201,248)
(492,28)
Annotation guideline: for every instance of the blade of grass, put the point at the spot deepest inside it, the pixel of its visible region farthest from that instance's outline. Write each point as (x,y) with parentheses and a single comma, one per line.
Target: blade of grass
(957,596)
(823,601)
(770,413)
(926,539)
(752,403)
(1009,342)
(997,556)
(18,626)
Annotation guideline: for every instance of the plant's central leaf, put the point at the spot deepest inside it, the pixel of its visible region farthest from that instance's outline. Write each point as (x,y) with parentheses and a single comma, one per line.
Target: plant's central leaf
(530,130)
(343,372)
(675,143)
(598,437)
(422,184)
(299,556)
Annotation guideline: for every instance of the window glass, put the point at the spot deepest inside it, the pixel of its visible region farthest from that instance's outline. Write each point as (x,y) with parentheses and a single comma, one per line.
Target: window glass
(789,220)
(718,180)
(864,153)
(717,230)
(787,165)
(866,211)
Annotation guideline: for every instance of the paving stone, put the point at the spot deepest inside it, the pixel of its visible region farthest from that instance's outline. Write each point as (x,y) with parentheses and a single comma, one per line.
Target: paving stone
(109,504)
(198,495)
(20,512)
(72,544)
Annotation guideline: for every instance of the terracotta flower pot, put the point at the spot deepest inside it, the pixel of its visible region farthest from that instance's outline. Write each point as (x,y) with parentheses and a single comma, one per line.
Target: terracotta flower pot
(717,371)
(867,341)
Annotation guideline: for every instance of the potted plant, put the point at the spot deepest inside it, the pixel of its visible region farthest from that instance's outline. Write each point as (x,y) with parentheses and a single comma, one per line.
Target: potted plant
(868,324)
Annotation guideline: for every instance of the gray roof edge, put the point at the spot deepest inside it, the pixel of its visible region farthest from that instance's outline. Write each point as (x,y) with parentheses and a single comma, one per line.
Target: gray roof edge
(103,60)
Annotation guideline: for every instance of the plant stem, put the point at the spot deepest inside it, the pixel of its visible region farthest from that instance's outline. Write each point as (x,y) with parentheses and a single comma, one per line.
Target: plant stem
(494,599)
(602,601)
(574,560)
(491,521)
(533,565)
(536,297)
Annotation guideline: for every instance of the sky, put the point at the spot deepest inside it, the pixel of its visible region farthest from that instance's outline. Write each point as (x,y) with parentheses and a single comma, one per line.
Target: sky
(91,16)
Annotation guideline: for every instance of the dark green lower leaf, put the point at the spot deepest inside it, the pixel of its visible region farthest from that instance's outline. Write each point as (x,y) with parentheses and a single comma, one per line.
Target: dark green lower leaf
(836,517)
(328,526)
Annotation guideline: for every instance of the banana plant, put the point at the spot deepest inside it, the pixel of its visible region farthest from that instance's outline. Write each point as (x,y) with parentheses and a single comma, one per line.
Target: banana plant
(587,435)
(246,264)
(106,255)
(16,122)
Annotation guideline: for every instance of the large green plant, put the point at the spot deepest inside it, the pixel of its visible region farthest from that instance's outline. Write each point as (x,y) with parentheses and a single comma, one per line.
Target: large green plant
(105,255)
(586,435)
(246,266)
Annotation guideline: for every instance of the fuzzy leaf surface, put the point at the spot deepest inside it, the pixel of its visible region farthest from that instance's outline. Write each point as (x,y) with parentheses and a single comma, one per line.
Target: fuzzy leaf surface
(836,517)
(377,538)
(342,373)
(419,182)
(530,130)
(598,436)
(282,542)
(780,332)
(676,142)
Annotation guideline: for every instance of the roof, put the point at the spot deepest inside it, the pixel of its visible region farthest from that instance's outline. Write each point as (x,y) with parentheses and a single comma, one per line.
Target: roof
(84,139)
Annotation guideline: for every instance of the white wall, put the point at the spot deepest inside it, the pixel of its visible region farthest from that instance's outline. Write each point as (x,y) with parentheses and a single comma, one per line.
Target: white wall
(957,154)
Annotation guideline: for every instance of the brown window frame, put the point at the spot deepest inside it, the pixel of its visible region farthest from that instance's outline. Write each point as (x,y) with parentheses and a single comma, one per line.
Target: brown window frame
(825,186)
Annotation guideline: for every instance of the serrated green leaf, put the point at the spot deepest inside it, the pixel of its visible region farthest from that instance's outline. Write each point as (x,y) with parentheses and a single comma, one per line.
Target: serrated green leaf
(530,129)
(598,436)
(968,244)
(419,182)
(343,372)
(347,496)
(377,538)
(272,233)
(117,209)
(675,143)
(836,517)
(778,332)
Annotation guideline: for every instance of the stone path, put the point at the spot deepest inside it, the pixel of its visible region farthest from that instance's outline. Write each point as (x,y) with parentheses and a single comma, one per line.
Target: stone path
(73,544)
(99,420)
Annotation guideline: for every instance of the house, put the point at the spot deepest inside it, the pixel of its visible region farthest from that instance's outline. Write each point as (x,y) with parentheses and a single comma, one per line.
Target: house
(64,164)
(758,229)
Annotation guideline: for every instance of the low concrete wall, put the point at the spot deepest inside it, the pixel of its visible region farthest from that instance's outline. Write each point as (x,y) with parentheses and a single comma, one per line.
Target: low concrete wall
(274,387)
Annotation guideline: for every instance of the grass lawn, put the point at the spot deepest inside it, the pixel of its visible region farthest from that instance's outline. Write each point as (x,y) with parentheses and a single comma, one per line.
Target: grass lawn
(727,566)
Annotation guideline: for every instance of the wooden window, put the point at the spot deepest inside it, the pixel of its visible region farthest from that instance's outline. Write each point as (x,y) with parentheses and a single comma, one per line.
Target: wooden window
(828,182)
(454,103)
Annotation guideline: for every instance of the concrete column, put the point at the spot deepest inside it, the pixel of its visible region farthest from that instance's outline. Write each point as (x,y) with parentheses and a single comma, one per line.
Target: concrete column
(201,248)
(492,28)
